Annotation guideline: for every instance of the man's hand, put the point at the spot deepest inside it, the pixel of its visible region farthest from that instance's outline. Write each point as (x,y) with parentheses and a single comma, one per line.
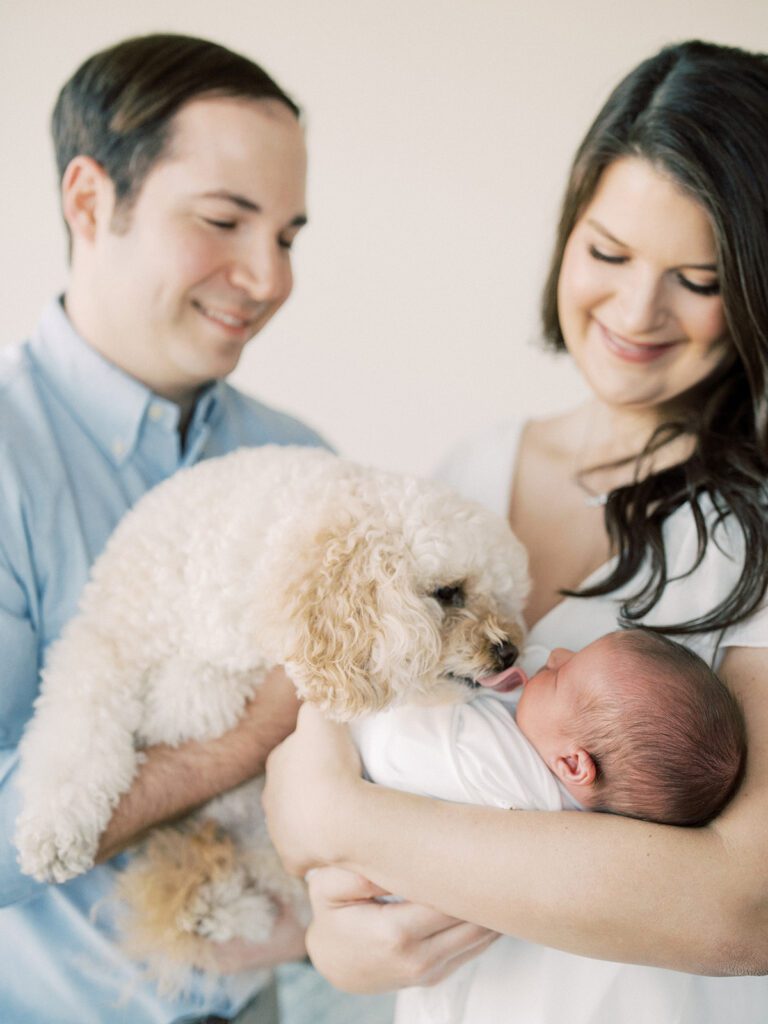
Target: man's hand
(286,943)
(362,945)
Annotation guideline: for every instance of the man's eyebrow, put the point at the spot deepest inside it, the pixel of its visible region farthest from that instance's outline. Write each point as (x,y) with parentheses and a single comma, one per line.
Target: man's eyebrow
(248,204)
(612,238)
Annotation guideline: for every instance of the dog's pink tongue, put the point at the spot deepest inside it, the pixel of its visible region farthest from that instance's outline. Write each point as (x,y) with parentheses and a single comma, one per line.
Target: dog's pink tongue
(505,681)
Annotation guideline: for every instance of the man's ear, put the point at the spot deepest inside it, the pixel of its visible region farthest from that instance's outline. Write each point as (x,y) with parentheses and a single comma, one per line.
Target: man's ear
(576,768)
(87,197)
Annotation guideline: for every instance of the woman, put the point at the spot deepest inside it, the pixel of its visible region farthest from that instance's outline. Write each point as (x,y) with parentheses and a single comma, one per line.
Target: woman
(647,504)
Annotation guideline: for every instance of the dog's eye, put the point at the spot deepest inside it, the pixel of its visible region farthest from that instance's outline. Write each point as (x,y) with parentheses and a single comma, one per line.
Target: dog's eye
(450,597)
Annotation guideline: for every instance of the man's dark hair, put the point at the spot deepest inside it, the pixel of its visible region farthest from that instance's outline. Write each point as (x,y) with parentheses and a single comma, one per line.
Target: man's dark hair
(119,106)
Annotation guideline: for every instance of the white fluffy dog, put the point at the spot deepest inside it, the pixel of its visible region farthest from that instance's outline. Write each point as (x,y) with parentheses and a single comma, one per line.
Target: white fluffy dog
(369,587)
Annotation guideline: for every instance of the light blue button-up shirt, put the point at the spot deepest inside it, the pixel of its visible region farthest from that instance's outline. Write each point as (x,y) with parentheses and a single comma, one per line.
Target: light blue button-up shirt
(80,443)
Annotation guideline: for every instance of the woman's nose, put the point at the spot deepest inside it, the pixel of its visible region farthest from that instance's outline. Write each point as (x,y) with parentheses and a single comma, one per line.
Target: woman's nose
(642,305)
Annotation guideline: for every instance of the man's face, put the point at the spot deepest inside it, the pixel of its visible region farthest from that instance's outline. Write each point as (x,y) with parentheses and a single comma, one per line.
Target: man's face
(203,260)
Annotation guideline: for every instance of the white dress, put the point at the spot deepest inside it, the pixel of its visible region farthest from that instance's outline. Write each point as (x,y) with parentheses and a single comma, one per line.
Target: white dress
(517,982)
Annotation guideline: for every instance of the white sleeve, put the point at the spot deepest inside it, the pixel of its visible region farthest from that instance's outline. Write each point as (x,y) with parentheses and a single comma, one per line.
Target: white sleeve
(752,632)
(481,466)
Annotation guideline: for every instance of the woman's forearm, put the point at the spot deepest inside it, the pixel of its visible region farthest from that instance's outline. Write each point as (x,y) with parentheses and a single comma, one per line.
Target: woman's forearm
(596,885)
(590,884)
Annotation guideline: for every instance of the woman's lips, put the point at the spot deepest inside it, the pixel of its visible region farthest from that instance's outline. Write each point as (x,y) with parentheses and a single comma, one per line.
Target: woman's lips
(633,351)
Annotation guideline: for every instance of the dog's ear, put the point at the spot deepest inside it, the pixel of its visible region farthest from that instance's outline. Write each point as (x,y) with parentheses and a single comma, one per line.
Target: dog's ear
(336,622)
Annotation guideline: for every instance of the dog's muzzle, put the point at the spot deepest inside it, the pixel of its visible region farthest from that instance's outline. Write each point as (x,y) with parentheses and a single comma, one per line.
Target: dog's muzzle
(505,655)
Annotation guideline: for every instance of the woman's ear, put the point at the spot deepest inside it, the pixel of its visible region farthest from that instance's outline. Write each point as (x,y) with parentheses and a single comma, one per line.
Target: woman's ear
(576,769)
(87,196)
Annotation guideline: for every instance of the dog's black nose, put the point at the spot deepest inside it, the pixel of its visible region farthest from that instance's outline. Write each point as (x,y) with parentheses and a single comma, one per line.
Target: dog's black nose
(505,654)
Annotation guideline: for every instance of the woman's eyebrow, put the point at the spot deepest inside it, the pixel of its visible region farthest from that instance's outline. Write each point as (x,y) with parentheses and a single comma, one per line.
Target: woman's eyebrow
(612,238)
(604,231)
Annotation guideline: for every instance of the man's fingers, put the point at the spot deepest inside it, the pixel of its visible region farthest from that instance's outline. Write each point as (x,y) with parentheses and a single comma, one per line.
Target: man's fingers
(285,944)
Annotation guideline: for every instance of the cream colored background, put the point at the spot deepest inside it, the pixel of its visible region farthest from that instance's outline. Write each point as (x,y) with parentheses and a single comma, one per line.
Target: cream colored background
(440,134)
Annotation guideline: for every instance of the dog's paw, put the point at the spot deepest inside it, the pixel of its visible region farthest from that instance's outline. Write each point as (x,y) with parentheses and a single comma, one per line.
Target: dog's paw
(218,915)
(52,855)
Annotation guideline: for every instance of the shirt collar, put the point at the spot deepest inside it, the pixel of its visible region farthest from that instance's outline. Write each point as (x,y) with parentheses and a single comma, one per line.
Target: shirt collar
(110,404)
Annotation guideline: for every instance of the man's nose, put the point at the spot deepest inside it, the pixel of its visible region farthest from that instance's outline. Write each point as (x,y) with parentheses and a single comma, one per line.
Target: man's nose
(262,271)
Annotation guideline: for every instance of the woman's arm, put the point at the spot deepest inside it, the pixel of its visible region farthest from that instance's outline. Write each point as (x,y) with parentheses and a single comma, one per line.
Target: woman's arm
(597,885)
(364,945)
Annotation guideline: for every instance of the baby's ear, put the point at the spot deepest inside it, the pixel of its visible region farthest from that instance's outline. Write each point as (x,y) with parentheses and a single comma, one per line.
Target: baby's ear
(576,769)
(336,623)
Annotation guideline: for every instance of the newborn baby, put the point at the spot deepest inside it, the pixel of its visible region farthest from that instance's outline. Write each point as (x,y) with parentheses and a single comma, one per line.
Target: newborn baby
(633,724)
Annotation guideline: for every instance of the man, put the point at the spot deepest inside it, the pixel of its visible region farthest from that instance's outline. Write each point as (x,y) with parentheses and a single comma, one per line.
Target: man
(182,186)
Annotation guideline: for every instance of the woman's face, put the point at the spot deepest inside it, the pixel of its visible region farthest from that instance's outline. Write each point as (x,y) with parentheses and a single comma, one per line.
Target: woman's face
(638,293)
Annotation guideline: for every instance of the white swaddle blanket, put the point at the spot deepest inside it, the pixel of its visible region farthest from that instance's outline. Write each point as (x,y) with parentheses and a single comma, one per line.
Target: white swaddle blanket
(468,753)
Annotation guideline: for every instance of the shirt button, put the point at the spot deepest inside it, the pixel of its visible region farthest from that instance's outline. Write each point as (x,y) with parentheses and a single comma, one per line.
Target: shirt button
(118,448)
(156,411)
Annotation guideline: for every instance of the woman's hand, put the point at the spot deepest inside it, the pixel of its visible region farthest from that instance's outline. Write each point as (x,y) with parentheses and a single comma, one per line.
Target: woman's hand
(312,779)
(362,945)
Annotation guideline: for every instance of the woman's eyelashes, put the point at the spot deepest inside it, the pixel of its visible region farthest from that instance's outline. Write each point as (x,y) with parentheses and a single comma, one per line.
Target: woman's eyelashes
(605,257)
(711,288)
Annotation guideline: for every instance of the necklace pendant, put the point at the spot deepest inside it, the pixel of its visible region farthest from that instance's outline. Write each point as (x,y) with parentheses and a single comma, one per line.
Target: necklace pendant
(596,500)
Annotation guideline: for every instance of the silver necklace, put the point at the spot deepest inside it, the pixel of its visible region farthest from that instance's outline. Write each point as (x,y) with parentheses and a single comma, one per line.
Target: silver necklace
(596,500)
(589,497)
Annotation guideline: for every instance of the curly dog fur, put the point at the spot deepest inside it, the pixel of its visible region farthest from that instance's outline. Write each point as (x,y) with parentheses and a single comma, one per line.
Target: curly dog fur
(370,587)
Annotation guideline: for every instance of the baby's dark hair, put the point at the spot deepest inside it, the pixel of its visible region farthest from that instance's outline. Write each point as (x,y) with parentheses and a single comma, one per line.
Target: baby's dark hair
(669,743)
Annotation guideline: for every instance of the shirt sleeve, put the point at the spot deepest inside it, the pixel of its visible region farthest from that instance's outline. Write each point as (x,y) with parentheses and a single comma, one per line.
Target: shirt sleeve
(19,655)
(752,632)
(481,467)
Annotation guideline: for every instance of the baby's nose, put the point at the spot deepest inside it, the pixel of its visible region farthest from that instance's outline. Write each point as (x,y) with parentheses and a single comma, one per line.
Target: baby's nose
(558,657)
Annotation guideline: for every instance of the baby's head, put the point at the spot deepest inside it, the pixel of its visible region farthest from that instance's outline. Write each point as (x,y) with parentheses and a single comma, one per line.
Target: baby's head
(638,725)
